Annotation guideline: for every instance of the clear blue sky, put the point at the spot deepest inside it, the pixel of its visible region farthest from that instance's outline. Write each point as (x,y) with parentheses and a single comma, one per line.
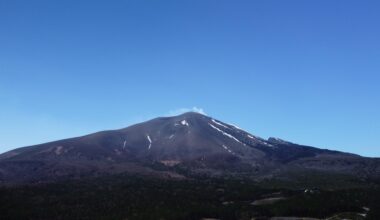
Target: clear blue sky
(304,71)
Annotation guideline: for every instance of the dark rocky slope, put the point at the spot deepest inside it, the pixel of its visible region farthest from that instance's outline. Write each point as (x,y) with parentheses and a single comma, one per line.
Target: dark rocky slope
(175,147)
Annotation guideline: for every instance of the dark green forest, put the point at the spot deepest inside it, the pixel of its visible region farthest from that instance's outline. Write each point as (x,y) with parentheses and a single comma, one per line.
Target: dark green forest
(133,197)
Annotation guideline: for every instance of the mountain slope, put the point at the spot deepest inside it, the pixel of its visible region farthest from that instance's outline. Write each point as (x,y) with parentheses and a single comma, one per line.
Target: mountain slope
(191,141)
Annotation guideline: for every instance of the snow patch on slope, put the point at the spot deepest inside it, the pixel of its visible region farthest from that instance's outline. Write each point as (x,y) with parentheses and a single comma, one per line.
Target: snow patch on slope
(252,137)
(58,150)
(258,139)
(184,122)
(150,141)
(228,149)
(220,124)
(236,127)
(226,134)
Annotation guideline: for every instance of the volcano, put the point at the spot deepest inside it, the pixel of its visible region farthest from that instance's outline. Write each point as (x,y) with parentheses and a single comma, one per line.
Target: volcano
(176,147)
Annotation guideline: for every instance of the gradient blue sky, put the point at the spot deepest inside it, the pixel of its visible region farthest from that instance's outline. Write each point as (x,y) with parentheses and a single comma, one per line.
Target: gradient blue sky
(304,71)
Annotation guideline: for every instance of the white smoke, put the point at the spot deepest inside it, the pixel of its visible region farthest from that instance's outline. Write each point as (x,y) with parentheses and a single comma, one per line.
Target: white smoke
(184,110)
